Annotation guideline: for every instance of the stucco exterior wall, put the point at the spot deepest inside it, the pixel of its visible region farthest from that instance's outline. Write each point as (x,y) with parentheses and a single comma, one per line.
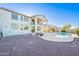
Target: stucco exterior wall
(6,24)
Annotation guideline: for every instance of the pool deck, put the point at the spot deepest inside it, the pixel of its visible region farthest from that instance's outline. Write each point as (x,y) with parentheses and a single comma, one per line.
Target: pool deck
(29,45)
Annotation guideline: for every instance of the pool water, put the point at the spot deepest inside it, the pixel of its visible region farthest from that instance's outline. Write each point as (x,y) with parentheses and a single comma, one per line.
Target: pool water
(64,33)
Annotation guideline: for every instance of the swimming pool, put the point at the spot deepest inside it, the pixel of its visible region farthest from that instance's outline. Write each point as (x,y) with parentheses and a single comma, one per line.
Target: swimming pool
(58,37)
(63,34)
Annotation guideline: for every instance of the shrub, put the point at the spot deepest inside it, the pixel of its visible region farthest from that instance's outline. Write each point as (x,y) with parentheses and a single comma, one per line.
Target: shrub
(77,31)
(63,31)
(53,29)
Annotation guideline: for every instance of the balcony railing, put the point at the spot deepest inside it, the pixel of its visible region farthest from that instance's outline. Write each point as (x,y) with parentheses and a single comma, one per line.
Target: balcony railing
(40,23)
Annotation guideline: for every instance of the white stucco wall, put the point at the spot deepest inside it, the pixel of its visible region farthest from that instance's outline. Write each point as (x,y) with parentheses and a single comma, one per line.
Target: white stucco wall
(6,24)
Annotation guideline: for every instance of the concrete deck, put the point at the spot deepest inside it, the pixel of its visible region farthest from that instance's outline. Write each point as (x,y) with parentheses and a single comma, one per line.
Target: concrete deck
(29,45)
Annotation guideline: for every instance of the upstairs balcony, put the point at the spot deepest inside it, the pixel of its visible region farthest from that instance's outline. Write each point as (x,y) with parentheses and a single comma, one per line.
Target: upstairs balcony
(39,21)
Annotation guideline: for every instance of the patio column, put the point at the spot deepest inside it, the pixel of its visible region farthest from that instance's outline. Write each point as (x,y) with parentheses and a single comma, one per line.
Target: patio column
(35,24)
(42,25)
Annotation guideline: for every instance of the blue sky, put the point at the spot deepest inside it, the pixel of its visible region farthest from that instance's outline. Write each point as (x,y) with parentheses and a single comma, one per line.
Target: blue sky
(56,13)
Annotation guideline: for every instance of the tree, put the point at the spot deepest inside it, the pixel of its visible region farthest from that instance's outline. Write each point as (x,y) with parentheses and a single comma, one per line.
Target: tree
(77,32)
(62,30)
(53,29)
(66,27)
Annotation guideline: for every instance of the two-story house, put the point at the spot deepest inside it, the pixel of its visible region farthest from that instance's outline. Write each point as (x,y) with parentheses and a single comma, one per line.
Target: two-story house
(13,23)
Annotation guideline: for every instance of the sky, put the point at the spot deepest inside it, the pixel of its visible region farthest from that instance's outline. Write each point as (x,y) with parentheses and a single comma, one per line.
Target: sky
(57,14)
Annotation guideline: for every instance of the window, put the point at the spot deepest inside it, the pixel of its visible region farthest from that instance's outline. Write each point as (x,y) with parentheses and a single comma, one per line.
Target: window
(24,18)
(26,28)
(14,26)
(38,28)
(21,18)
(23,27)
(14,16)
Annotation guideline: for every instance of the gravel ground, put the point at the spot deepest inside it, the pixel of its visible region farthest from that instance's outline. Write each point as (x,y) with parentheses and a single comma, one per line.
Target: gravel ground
(29,45)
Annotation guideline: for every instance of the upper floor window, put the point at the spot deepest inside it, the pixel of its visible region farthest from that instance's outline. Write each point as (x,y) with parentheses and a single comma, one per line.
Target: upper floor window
(14,16)
(23,18)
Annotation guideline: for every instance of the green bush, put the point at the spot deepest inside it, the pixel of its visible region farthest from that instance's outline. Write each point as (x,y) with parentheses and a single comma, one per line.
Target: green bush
(53,29)
(77,31)
(63,31)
